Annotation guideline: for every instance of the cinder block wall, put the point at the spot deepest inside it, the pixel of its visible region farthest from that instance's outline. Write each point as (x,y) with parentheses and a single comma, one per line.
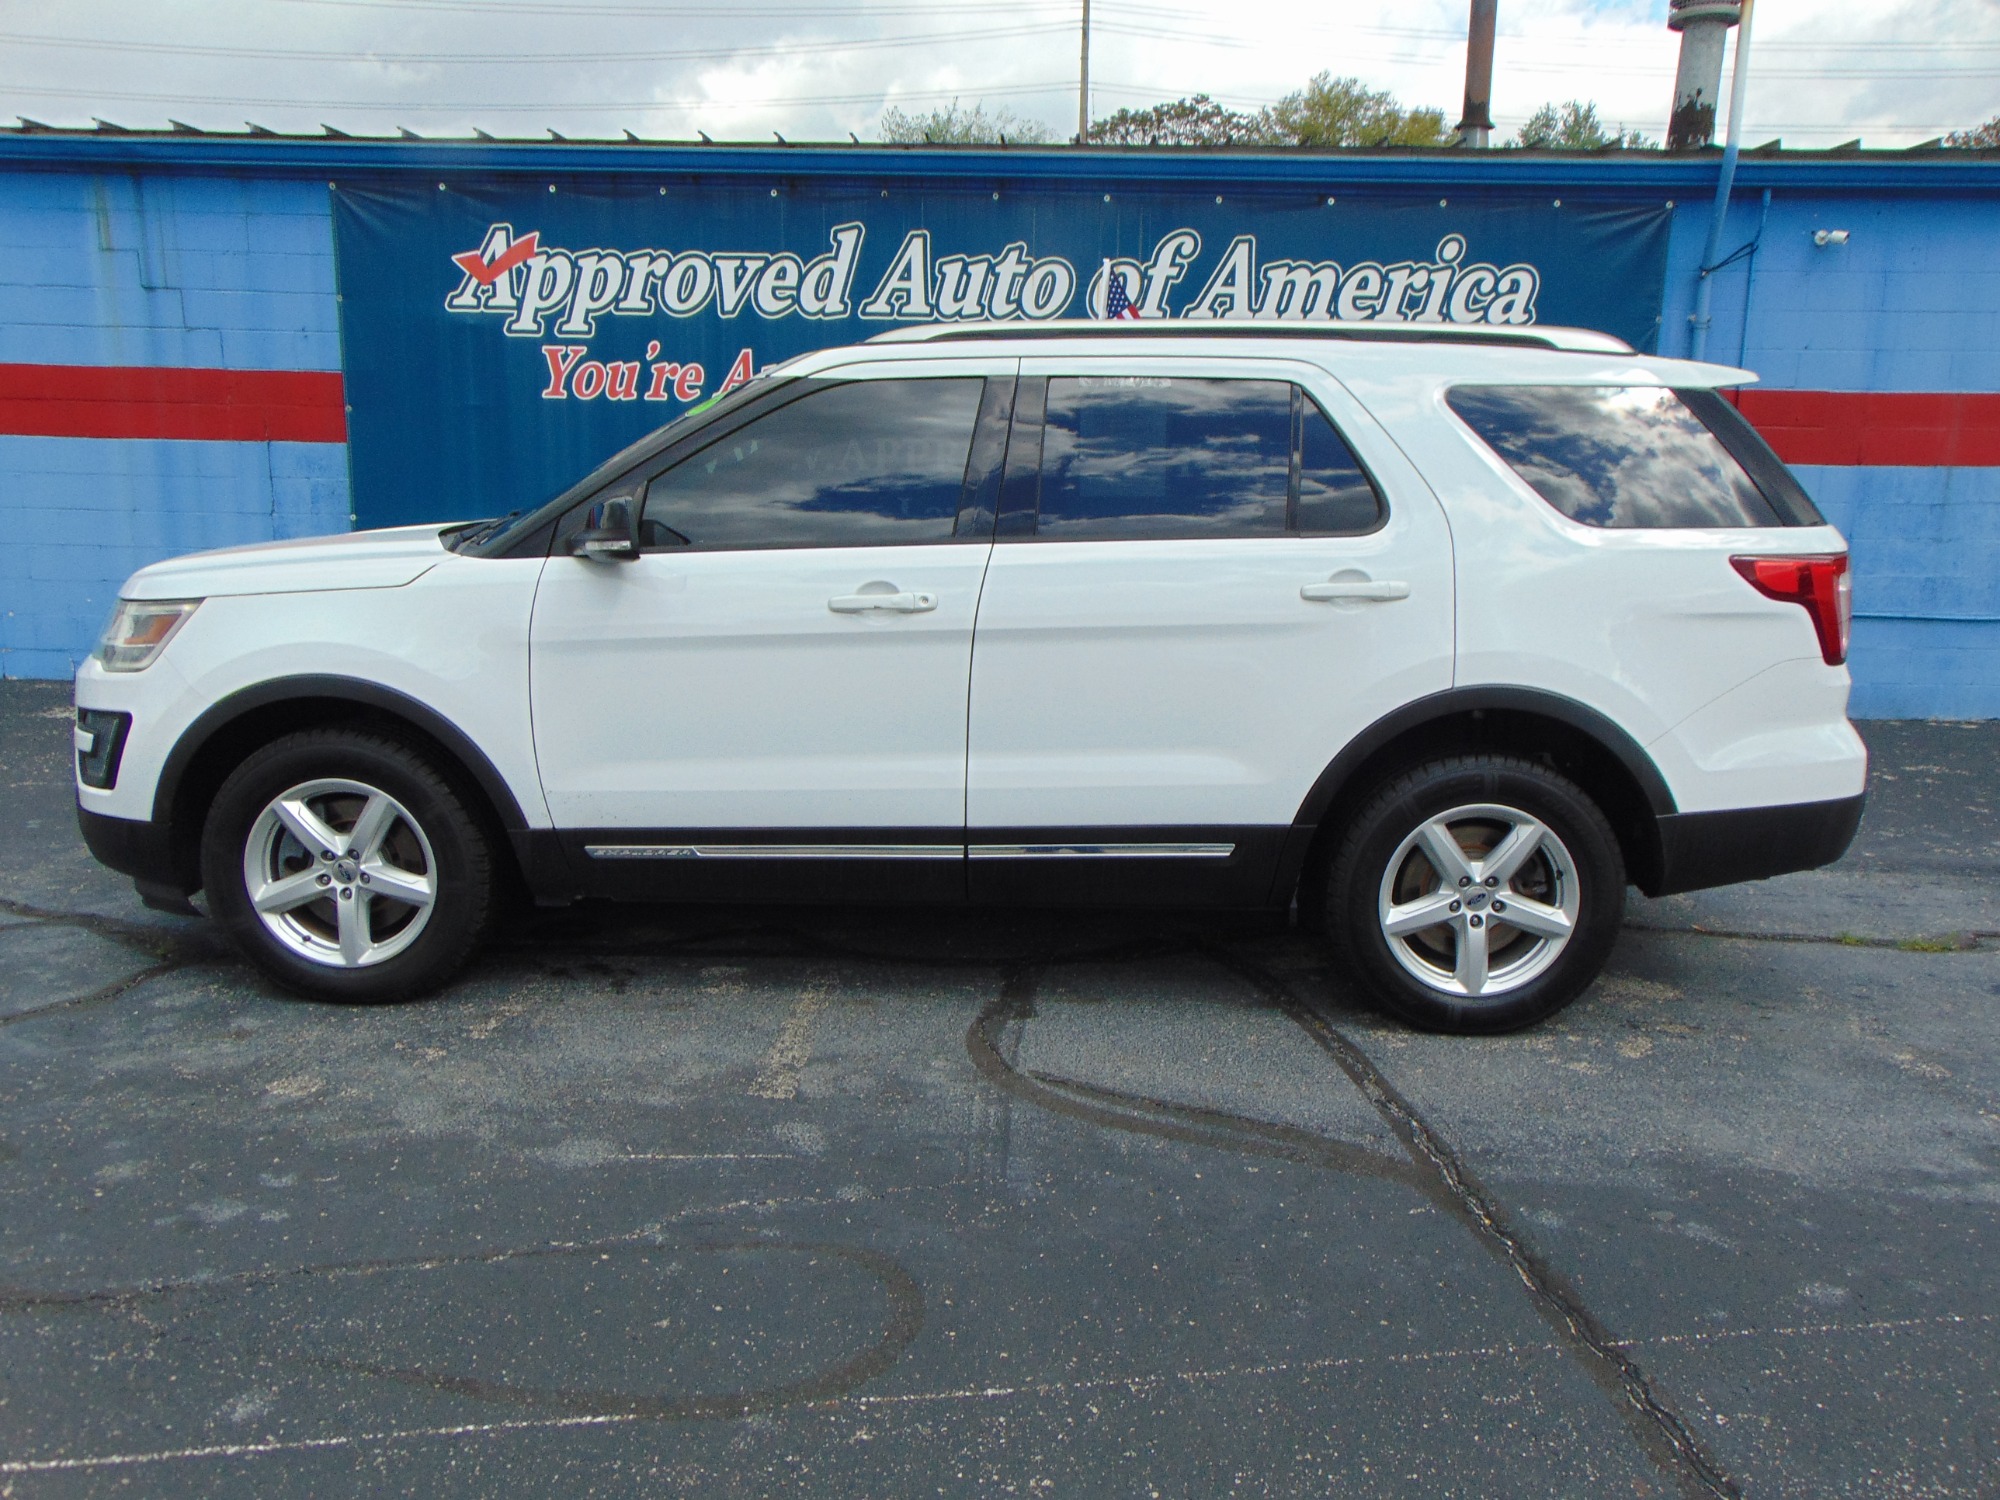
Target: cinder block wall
(105,275)
(116,285)
(1908,307)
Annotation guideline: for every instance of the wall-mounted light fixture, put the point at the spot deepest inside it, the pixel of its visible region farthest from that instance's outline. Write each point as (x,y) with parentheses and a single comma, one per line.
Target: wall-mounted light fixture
(1825,237)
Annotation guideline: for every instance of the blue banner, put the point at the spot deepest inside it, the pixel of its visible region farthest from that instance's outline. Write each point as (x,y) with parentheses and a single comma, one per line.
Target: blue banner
(500,342)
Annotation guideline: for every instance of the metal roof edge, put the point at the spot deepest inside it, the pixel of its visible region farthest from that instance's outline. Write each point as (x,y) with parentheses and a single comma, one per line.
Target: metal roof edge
(1095,168)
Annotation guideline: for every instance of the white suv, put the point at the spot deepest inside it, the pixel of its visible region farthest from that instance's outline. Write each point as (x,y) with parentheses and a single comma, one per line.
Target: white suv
(1445,635)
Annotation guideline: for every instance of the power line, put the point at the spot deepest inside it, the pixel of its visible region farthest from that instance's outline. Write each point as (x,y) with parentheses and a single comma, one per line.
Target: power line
(180,49)
(475,107)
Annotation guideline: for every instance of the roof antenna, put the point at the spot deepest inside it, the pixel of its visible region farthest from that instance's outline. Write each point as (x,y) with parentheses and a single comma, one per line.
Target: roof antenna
(781,140)
(704,137)
(481,134)
(854,138)
(629,136)
(182,128)
(407,134)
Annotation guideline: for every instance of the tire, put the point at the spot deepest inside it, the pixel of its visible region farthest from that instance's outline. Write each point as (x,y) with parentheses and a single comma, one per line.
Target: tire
(1431,940)
(394,922)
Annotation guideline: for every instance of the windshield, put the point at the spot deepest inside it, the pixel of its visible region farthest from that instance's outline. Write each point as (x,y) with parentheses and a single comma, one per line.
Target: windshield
(492,538)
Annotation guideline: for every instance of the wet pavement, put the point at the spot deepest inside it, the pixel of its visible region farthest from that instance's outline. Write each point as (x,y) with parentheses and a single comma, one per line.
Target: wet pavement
(738,1202)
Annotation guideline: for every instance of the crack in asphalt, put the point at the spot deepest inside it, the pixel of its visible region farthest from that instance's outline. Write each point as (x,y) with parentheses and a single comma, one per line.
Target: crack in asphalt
(1972,941)
(160,942)
(1438,1172)
(1663,1434)
(97,996)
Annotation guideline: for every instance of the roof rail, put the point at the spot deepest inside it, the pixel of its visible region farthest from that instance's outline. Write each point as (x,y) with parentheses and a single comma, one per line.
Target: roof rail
(1575,340)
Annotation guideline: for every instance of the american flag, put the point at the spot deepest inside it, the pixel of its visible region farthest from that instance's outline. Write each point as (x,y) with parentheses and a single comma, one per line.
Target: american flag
(1117,304)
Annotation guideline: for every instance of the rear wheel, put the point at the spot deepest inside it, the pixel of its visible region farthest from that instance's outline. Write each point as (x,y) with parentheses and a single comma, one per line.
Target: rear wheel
(347,867)
(1475,894)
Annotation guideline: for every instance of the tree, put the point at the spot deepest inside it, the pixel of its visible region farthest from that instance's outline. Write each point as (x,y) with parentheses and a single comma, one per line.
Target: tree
(1575,127)
(1199,121)
(1333,111)
(1979,138)
(958,126)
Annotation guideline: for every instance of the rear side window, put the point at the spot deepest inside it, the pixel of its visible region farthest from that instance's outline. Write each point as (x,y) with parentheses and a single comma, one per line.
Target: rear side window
(859,464)
(1617,456)
(1131,457)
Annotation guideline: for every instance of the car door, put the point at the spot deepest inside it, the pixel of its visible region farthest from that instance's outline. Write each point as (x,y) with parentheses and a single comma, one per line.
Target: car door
(1209,576)
(772,695)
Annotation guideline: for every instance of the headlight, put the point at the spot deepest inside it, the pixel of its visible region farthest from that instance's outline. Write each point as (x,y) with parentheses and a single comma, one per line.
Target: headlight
(139,631)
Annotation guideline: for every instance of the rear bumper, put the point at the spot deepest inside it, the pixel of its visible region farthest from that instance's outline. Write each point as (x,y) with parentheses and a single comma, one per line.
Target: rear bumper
(1703,849)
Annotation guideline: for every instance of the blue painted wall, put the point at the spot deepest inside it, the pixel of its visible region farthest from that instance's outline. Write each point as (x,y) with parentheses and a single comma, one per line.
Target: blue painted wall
(1910,303)
(163,265)
(129,269)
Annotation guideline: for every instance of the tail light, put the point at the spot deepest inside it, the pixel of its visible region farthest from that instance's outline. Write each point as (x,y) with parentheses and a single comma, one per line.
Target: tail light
(1821,584)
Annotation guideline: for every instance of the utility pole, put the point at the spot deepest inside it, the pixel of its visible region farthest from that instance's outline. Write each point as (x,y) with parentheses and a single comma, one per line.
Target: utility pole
(1475,126)
(1083,83)
(1704,27)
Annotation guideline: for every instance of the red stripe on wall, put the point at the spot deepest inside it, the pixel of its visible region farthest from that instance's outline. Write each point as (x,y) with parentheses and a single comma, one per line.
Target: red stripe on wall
(114,401)
(1925,429)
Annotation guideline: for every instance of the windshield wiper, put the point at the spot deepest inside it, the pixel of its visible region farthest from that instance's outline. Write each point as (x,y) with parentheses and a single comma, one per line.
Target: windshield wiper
(479,531)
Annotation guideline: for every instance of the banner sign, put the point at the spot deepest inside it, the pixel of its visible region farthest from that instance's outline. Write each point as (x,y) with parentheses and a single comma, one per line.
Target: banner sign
(499,343)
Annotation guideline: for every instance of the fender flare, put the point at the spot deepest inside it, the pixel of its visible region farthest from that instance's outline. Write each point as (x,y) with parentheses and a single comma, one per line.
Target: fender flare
(1413,715)
(226,711)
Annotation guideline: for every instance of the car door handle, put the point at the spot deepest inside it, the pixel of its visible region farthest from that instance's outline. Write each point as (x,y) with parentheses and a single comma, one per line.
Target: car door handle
(1355,588)
(902,604)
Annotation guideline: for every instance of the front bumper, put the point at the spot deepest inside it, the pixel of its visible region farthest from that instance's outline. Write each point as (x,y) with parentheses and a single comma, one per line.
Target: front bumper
(1703,849)
(145,851)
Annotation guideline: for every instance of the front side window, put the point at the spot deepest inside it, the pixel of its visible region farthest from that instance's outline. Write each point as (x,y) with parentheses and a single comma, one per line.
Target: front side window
(858,464)
(1130,457)
(1615,456)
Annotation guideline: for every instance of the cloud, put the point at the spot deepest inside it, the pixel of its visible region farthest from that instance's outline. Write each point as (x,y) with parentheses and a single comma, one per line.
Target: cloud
(1823,71)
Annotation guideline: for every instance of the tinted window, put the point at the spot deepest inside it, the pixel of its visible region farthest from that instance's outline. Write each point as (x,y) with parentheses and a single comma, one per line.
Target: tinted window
(852,465)
(1619,456)
(1127,456)
(1335,495)
(1779,484)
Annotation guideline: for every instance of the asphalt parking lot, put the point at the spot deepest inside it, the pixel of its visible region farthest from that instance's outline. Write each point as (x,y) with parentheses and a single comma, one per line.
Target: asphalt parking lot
(735,1202)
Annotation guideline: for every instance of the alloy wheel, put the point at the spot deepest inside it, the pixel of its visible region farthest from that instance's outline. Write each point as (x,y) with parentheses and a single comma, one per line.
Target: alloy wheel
(1479,900)
(340,873)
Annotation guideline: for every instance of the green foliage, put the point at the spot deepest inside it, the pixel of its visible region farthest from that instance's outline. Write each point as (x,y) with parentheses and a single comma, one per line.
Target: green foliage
(1980,138)
(1199,121)
(1333,111)
(1575,127)
(1328,111)
(959,126)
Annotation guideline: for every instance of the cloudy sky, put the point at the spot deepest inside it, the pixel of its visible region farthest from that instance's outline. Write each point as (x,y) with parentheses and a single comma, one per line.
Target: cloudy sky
(1892,72)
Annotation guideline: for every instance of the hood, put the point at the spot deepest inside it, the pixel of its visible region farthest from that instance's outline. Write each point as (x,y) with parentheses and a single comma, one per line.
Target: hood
(353,560)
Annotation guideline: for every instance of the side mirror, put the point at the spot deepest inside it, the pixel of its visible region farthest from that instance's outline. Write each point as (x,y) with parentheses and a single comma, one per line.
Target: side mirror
(608,533)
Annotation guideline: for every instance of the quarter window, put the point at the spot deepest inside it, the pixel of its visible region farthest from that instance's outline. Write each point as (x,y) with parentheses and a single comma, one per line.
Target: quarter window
(862,463)
(1615,456)
(1335,495)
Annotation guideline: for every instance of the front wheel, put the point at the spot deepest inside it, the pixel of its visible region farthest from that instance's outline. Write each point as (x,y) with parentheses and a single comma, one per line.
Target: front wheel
(1475,894)
(346,867)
